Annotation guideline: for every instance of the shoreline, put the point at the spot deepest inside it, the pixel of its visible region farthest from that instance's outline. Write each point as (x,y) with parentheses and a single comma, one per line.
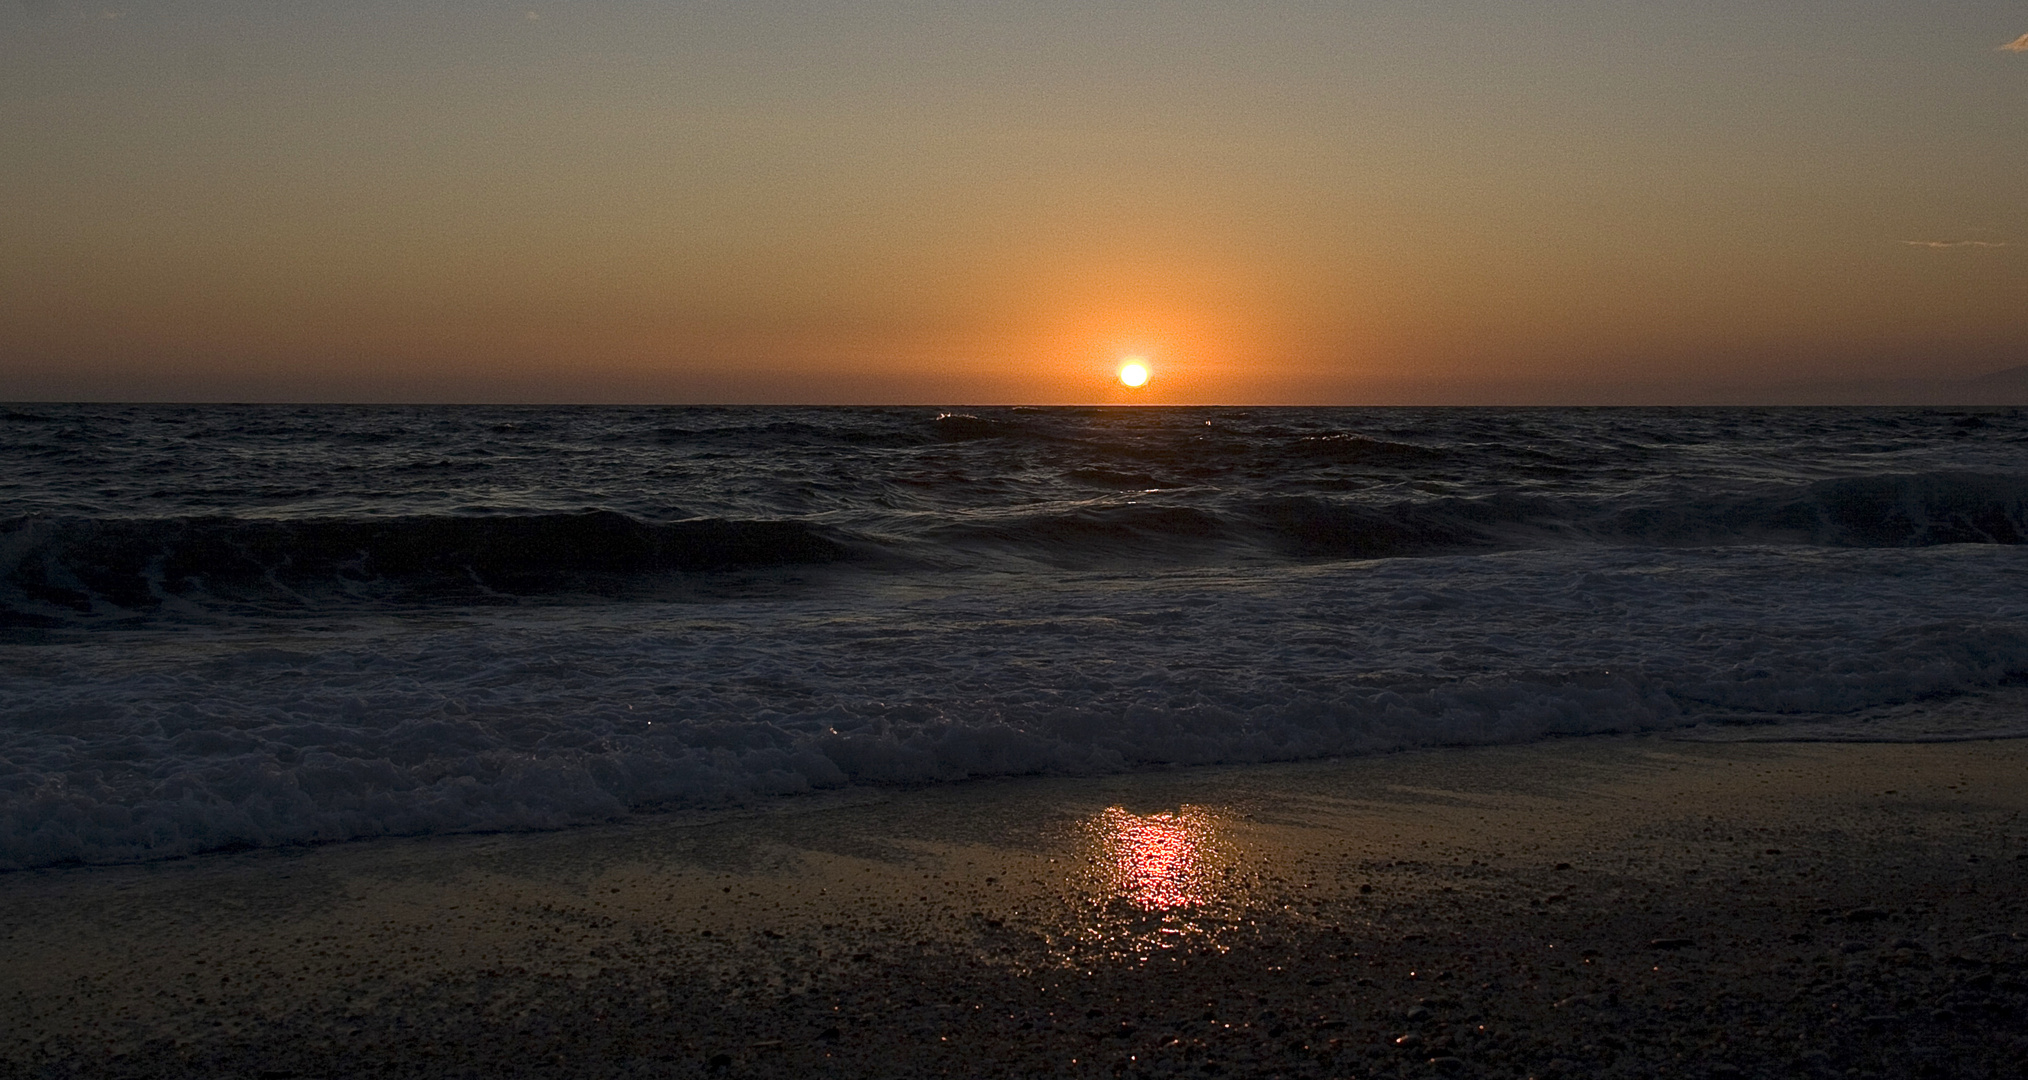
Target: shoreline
(1604,906)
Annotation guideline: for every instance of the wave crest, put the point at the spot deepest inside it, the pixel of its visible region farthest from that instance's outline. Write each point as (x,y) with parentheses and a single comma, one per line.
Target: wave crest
(85,566)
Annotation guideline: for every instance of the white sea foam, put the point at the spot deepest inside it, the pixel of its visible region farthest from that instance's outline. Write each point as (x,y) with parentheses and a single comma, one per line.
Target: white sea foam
(170,739)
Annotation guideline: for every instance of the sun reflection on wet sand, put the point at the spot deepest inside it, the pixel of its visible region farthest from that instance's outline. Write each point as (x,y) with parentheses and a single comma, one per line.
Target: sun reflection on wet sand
(1159,881)
(1161,861)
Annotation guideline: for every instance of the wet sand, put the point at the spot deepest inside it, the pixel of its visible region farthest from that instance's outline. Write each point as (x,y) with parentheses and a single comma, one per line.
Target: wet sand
(1601,907)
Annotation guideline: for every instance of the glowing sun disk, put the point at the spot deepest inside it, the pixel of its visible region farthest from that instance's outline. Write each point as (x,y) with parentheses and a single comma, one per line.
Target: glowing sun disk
(1133,372)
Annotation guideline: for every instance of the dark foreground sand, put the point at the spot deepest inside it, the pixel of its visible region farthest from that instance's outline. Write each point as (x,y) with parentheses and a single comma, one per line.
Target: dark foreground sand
(1603,907)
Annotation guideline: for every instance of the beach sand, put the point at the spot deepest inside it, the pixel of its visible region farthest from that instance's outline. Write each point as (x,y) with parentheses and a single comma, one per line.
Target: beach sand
(1619,906)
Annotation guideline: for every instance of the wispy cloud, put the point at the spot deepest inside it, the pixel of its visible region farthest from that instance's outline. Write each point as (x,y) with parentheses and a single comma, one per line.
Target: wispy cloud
(1956,243)
(2019,44)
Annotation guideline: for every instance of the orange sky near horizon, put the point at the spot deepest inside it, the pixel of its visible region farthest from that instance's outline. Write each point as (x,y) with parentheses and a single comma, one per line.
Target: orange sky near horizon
(1291,202)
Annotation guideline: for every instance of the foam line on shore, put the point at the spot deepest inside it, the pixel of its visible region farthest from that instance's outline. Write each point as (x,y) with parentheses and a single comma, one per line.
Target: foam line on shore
(1536,892)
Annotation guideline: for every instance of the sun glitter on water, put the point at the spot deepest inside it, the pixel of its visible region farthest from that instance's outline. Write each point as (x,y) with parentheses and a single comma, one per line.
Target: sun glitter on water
(1134,372)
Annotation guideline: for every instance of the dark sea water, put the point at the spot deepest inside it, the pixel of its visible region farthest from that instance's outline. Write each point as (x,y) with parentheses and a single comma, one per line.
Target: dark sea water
(238,625)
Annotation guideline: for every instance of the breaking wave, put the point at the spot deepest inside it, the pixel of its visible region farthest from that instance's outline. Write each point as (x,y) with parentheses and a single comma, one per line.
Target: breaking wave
(1919,510)
(230,626)
(79,566)
(56,569)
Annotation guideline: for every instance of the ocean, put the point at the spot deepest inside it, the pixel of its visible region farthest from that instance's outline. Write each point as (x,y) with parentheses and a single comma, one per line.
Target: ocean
(244,626)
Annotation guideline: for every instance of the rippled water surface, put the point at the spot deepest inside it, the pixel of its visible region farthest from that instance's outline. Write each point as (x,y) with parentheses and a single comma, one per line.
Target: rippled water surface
(226,626)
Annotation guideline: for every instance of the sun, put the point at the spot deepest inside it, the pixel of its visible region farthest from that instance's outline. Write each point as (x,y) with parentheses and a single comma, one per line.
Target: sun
(1134,372)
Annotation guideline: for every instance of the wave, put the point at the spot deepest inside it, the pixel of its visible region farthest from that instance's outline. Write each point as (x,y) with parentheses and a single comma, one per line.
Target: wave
(144,768)
(1889,511)
(1915,510)
(54,570)
(791,433)
(1347,448)
(51,568)
(845,430)
(966,427)
(1906,511)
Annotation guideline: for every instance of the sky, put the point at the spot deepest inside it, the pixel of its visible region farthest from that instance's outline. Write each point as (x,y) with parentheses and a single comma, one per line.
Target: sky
(830,201)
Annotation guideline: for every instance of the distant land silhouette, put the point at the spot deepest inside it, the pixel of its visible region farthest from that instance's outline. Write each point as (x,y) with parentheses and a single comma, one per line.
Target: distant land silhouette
(2008,386)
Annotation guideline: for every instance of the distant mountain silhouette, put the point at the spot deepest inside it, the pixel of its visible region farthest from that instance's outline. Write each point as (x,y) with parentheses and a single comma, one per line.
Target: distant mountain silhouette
(2008,386)
(2009,382)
